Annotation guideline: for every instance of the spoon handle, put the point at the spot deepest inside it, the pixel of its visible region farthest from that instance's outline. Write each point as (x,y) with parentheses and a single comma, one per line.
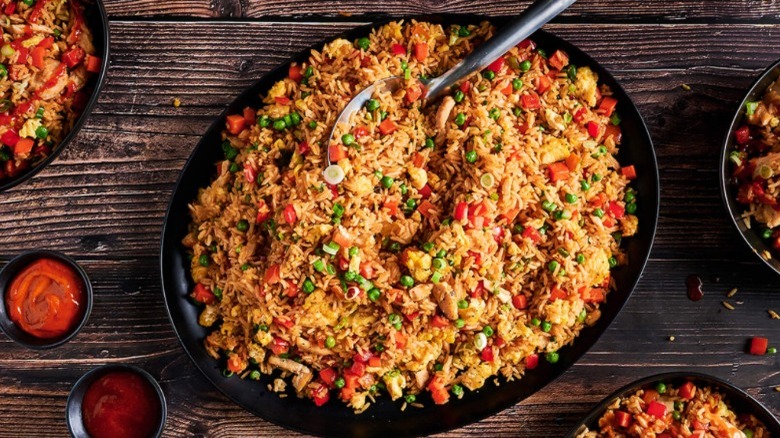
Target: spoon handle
(520,28)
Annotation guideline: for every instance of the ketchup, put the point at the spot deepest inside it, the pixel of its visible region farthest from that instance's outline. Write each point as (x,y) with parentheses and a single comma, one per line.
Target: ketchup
(121,404)
(46,299)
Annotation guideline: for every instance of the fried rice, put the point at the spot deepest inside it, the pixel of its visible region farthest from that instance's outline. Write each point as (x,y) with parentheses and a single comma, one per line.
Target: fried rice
(46,58)
(666,411)
(467,240)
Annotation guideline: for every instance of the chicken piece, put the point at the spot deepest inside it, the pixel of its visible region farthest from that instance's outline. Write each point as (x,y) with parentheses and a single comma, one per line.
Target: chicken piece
(49,69)
(418,263)
(208,316)
(308,347)
(587,85)
(768,215)
(420,292)
(553,149)
(554,120)
(447,299)
(395,385)
(442,116)
(303,374)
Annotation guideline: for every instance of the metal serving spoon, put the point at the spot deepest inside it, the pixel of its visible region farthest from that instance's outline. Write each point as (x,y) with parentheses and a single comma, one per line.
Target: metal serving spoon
(528,22)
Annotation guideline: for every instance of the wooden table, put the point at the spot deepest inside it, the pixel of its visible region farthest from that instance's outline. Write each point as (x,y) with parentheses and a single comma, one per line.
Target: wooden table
(103,200)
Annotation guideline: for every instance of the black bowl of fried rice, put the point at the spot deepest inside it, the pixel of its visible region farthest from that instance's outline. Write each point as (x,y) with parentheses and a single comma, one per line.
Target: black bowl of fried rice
(53,62)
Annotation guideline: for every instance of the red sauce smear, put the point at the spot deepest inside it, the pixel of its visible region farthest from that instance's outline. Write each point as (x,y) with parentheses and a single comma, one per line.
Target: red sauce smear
(694,287)
(121,404)
(45,299)
(77,21)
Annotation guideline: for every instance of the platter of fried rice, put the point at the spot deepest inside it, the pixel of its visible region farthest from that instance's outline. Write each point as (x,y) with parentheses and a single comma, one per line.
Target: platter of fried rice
(464,253)
(52,63)
(678,405)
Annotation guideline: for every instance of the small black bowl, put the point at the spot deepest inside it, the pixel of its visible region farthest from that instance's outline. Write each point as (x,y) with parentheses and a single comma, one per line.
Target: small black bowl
(7,275)
(97,21)
(73,413)
(728,190)
(740,401)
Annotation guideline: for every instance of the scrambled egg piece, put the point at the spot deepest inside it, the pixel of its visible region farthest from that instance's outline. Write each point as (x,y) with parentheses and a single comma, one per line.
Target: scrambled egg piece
(419,264)
(29,127)
(587,85)
(554,149)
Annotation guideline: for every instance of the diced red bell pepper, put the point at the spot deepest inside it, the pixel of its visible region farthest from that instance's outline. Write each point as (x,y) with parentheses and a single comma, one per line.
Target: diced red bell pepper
(438,391)
(350,384)
(532,234)
(420,51)
(530,101)
(425,191)
(527,44)
(235,123)
(425,208)
(465,87)
(506,91)
(360,131)
(572,161)
(295,73)
(328,376)
(592,294)
(629,172)
(319,394)
(235,363)
(375,361)
(336,153)
(478,290)
(497,65)
(543,84)
(594,129)
(622,419)
(342,263)
(342,237)
(284,322)
(263,212)
(398,50)
(279,346)
(559,60)
(579,115)
(607,106)
(413,93)
(487,354)
(73,57)
(742,135)
(391,204)
(418,160)
(250,116)
(520,301)
(10,138)
(387,127)
(21,54)
(202,294)
(616,209)
(649,396)
(439,321)
(289,214)
(10,8)
(250,173)
(93,64)
(531,361)
(558,294)
(461,211)
(273,274)
(23,146)
(613,131)
(38,55)
(498,234)
(687,390)
(358,368)
(292,290)
(304,148)
(657,410)
(758,346)
(558,171)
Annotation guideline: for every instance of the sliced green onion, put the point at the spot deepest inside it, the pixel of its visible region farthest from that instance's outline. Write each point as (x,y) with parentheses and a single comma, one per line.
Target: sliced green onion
(331,248)
(750,107)
(334,174)
(487,180)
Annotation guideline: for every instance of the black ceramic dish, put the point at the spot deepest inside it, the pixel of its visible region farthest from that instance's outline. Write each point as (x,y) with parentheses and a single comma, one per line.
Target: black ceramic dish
(7,275)
(728,190)
(385,417)
(73,407)
(739,400)
(95,16)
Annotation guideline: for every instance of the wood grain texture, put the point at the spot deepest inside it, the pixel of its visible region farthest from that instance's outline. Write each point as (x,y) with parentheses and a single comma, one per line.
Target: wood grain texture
(597,11)
(104,199)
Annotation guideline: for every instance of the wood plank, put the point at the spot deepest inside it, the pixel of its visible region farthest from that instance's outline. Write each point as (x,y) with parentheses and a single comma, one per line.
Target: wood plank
(594,11)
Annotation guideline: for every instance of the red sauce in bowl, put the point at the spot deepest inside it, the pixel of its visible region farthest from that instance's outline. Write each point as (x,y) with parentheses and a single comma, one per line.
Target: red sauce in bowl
(121,404)
(46,299)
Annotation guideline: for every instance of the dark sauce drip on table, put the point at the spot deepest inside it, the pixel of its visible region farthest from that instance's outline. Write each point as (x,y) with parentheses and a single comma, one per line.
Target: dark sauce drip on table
(694,287)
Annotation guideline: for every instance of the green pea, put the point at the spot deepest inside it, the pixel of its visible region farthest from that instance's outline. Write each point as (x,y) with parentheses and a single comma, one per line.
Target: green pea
(429,143)
(494,114)
(580,259)
(339,383)
(395,247)
(612,262)
(471,156)
(489,75)
(548,206)
(584,185)
(364,43)
(599,213)
(312,124)
(427,246)
(463,304)
(204,260)
(330,342)
(254,375)
(459,323)
(441,254)
(242,225)
(233,168)
(42,132)
(438,367)
(263,121)
(552,357)
(677,416)
(457,390)
(596,177)
(308,286)
(372,105)
(660,387)
(387,182)
(279,125)
(552,266)
(463,32)
(287,120)
(631,208)
(459,96)
(350,275)
(571,72)
(525,65)
(407,281)
(460,119)
(487,330)
(536,322)
(374,294)
(517,84)
(546,326)
(766,234)
(571,198)
(295,119)
(4,72)
(347,139)
(771,350)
